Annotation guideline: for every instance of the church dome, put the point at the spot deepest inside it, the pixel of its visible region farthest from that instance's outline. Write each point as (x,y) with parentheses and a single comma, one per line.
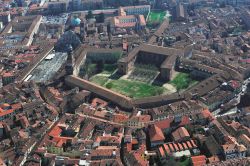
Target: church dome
(75,21)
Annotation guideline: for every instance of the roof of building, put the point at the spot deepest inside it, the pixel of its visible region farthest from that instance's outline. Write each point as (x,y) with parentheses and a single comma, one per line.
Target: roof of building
(6,112)
(161,152)
(245,139)
(167,51)
(129,21)
(156,134)
(55,132)
(180,133)
(199,160)
(164,124)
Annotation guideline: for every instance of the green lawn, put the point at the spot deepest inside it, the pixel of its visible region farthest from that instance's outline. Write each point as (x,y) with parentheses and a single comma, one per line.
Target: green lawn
(131,88)
(99,79)
(156,17)
(134,89)
(182,81)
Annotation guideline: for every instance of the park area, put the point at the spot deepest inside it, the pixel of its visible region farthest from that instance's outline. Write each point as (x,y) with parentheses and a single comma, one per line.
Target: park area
(155,17)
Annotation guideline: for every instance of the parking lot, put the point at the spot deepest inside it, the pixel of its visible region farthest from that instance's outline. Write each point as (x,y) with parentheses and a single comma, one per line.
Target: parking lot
(48,68)
(60,19)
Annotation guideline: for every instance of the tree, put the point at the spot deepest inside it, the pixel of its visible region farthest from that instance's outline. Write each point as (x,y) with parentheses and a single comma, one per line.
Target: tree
(109,85)
(183,158)
(90,15)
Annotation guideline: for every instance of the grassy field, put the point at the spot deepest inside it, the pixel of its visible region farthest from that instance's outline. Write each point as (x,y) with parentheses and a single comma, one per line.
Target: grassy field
(139,89)
(134,89)
(99,79)
(156,17)
(182,81)
(131,88)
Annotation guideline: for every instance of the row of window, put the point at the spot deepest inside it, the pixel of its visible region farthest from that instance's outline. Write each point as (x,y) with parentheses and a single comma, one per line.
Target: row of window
(127,20)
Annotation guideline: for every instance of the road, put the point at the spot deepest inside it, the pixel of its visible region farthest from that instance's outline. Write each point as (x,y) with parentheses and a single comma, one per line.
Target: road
(98,11)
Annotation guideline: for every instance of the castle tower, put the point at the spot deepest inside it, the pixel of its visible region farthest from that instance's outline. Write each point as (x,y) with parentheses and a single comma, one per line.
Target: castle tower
(70,61)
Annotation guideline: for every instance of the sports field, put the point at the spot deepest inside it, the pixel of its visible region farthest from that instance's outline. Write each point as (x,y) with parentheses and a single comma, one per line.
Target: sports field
(156,17)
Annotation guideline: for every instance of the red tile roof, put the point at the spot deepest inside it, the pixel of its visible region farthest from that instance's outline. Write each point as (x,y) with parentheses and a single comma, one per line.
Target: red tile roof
(161,152)
(164,124)
(120,118)
(129,147)
(98,102)
(180,146)
(156,134)
(176,147)
(194,145)
(184,121)
(184,145)
(4,105)
(171,147)
(55,132)
(166,148)
(207,114)
(180,134)
(189,144)
(134,141)
(60,143)
(3,113)
(199,160)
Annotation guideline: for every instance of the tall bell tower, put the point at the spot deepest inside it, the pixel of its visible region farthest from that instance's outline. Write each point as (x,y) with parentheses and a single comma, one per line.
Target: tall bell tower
(70,61)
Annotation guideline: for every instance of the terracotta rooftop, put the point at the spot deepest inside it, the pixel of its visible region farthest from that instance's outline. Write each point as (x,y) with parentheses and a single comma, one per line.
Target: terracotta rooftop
(199,160)
(55,132)
(161,152)
(180,133)
(167,51)
(207,114)
(166,148)
(164,124)
(3,113)
(156,134)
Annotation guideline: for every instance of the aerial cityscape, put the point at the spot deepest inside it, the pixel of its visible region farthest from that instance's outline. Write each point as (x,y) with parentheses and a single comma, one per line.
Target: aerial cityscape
(124,82)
